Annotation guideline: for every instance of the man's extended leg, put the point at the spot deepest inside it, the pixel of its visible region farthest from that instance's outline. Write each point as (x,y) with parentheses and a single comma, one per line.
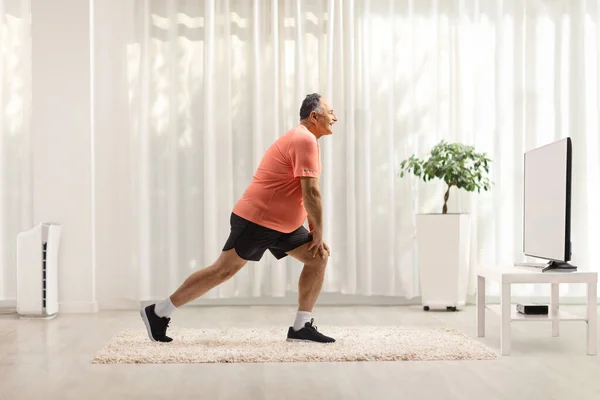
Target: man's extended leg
(200,282)
(309,288)
(156,316)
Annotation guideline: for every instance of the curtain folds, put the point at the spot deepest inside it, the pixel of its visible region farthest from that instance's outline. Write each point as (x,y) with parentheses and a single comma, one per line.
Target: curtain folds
(15,136)
(213,84)
(206,86)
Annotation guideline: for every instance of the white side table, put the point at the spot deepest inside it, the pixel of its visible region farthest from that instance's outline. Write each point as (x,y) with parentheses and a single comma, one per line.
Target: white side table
(509,275)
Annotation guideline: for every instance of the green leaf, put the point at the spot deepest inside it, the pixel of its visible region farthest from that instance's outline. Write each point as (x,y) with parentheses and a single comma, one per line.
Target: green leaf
(453,163)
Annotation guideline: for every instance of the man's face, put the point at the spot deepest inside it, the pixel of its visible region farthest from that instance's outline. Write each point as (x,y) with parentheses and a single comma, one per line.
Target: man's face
(325,119)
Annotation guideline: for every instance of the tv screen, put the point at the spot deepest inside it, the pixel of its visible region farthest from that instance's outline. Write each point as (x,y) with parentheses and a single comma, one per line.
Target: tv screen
(547,201)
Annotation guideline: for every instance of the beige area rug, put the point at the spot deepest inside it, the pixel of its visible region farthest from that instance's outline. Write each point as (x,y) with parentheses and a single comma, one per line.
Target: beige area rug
(256,345)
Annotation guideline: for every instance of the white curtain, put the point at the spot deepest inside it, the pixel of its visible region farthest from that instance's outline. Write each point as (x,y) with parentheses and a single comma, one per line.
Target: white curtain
(213,83)
(15,153)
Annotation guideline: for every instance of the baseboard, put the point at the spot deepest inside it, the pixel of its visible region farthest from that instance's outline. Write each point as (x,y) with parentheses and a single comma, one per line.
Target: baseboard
(8,303)
(564,300)
(8,307)
(119,305)
(326,299)
(69,307)
(77,307)
(291,299)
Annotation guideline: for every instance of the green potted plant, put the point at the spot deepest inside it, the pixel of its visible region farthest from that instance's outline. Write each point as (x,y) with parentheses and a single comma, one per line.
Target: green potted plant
(443,239)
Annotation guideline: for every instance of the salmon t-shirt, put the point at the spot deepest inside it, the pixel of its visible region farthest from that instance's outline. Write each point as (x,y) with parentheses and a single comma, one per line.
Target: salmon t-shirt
(274,197)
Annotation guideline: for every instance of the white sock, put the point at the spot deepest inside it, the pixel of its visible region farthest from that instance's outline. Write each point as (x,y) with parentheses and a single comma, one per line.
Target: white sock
(302,317)
(164,308)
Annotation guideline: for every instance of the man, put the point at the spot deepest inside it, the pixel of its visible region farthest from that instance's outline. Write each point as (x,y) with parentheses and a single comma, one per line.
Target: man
(269,216)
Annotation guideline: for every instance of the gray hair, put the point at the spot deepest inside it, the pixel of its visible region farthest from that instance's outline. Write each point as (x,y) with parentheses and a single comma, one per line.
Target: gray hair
(312,102)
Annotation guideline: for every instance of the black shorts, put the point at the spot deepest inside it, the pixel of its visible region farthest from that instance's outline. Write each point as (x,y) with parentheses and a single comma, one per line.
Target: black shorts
(251,240)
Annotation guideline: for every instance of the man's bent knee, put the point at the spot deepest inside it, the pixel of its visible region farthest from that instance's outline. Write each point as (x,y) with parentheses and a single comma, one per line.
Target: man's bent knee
(320,261)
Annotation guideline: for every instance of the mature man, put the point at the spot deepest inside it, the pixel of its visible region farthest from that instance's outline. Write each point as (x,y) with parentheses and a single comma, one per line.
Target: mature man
(270,215)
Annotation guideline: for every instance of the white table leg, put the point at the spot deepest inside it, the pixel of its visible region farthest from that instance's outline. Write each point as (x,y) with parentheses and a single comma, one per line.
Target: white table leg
(506,320)
(480,306)
(554,309)
(592,316)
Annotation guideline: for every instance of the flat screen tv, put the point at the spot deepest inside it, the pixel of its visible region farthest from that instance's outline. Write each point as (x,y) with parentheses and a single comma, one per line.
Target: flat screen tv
(547,204)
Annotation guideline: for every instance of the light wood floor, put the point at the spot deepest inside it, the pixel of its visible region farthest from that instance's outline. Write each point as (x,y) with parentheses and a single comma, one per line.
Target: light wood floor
(50,360)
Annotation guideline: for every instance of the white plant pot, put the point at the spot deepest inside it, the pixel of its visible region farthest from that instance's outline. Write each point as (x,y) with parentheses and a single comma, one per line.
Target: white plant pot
(443,242)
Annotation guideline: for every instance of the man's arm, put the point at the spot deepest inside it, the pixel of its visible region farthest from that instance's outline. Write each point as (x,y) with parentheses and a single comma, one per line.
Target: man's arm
(312,202)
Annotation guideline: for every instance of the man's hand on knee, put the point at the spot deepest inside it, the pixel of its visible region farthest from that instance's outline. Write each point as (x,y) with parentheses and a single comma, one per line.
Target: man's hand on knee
(316,243)
(326,248)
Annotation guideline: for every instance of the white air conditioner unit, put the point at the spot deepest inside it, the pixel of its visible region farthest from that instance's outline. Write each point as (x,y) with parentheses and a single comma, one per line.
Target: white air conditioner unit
(37,271)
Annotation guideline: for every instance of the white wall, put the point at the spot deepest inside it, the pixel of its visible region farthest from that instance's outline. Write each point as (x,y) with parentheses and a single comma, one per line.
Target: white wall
(61,140)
